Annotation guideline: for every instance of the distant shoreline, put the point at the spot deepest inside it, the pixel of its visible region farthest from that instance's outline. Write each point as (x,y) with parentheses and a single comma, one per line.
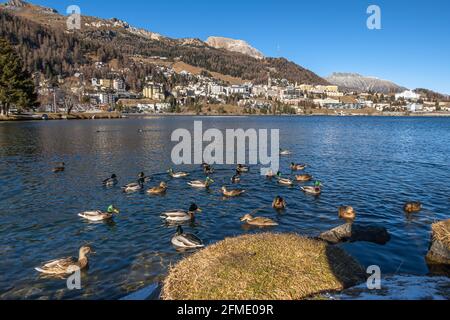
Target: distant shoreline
(117,115)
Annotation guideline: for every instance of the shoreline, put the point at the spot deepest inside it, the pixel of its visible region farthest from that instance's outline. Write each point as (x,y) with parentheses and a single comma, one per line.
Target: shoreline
(117,115)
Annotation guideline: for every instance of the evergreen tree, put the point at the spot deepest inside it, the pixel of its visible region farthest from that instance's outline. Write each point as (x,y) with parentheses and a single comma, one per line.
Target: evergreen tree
(16,84)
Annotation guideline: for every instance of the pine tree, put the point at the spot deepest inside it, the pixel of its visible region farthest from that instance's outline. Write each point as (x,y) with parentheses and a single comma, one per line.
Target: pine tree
(16,84)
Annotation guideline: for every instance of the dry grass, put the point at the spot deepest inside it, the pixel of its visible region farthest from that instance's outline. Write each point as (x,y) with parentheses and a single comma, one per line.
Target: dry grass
(441,232)
(262,267)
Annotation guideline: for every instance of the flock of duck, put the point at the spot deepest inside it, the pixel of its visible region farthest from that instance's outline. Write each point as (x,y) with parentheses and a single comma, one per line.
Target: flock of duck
(182,240)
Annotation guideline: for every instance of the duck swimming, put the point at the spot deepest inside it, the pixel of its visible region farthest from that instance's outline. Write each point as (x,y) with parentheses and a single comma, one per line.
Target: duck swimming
(232,193)
(412,207)
(201,184)
(279,203)
(162,188)
(236,178)
(60,167)
(98,215)
(208,169)
(181,216)
(258,221)
(110,181)
(186,240)
(242,169)
(177,174)
(347,213)
(314,190)
(285,152)
(144,178)
(297,167)
(66,266)
(271,174)
(134,187)
(303,177)
(286,182)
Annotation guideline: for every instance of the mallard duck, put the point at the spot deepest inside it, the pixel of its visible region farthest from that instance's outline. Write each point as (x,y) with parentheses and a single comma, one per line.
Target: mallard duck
(285,152)
(201,184)
(279,203)
(297,167)
(60,167)
(162,188)
(177,174)
(303,177)
(134,187)
(144,178)
(285,181)
(110,181)
(236,178)
(186,240)
(232,193)
(270,174)
(258,221)
(181,216)
(208,169)
(412,207)
(314,190)
(347,213)
(241,168)
(66,266)
(98,215)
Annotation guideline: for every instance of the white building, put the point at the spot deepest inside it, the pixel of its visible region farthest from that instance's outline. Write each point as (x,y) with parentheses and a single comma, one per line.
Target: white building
(414,107)
(119,85)
(407,95)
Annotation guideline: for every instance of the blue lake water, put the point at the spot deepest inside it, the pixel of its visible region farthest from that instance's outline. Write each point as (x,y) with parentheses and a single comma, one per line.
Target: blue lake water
(374,164)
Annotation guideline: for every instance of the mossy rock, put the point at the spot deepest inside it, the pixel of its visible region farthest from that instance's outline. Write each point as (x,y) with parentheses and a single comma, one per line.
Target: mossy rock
(264,266)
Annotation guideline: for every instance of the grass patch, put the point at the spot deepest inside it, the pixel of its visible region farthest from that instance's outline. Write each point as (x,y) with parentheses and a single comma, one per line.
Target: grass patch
(264,266)
(441,232)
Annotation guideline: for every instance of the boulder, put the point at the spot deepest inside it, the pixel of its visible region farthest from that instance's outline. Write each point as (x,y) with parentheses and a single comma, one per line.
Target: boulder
(439,252)
(352,233)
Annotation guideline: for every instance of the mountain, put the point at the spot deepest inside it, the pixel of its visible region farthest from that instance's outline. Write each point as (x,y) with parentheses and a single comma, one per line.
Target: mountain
(41,37)
(234,45)
(359,83)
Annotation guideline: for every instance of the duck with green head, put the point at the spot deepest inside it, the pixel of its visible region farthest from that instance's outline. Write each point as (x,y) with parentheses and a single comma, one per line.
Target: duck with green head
(98,215)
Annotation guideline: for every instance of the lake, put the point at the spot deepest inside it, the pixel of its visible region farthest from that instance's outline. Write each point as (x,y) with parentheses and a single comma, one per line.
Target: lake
(374,164)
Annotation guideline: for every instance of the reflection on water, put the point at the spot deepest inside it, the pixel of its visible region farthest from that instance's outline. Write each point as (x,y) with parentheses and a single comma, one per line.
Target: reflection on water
(372,164)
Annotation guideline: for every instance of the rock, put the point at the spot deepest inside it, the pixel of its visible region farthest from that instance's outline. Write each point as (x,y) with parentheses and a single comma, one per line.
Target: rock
(234,45)
(352,233)
(439,252)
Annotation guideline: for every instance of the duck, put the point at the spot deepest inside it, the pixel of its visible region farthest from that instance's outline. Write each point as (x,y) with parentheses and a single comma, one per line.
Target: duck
(110,181)
(181,216)
(99,215)
(162,188)
(412,207)
(60,167)
(144,178)
(186,240)
(241,168)
(177,174)
(303,177)
(270,174)
(236,178)
(232,193)
(208,169)
(258,221)
(201,184)
(67,266)
(285,152)
(279,203)
(285,181)
(297,167)
(347,213)
(314,190)
(134,187)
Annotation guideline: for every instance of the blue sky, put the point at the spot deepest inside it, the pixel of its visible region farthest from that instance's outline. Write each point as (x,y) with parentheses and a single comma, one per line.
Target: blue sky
(411,49)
